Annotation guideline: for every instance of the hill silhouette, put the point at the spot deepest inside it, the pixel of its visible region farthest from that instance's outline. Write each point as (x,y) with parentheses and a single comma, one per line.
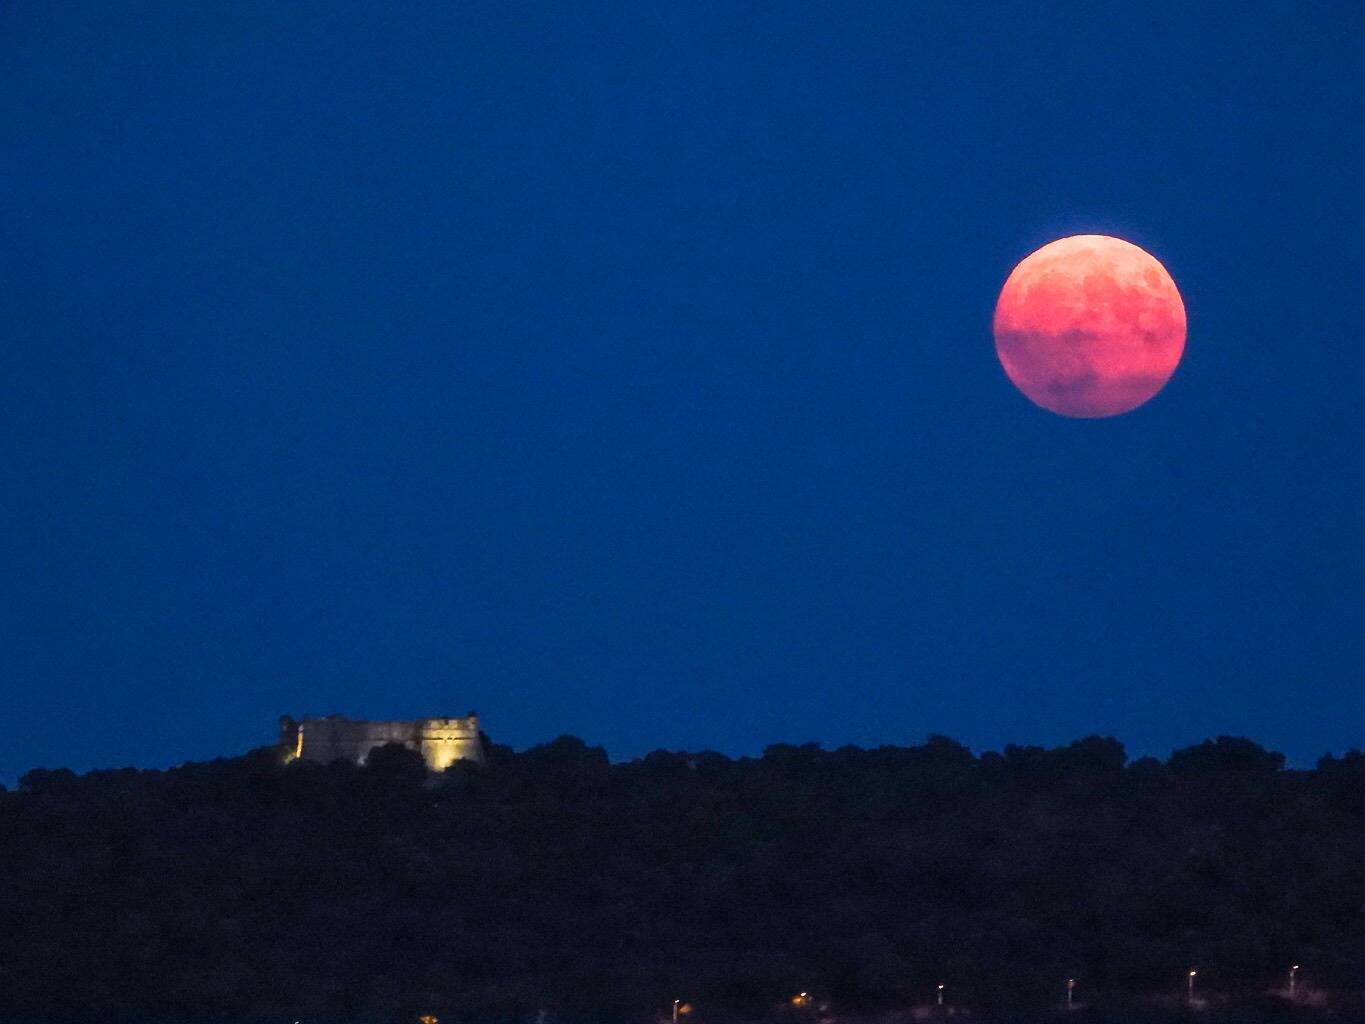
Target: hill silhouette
(553,880)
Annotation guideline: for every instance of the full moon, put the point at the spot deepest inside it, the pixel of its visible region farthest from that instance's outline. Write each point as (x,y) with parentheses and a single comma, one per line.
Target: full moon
(1089,326)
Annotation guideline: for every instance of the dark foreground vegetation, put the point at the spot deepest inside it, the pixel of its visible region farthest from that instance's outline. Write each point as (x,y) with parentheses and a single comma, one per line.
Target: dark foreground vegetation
(552,880)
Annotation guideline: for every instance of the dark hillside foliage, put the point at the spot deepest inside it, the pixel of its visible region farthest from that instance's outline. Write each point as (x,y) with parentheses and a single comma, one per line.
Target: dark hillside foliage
(554,880)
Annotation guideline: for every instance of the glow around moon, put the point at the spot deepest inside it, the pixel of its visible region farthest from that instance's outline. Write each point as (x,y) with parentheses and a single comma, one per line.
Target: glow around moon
(1089,326)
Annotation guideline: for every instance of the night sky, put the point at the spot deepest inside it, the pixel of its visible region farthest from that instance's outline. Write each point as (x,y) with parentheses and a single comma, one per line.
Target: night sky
(628,373)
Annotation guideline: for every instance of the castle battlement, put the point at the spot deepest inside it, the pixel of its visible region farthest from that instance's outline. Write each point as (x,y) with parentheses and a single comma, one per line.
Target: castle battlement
(440,741)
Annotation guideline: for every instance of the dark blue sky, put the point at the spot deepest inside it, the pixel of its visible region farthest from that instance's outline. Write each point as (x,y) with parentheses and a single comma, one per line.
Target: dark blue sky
(628,373)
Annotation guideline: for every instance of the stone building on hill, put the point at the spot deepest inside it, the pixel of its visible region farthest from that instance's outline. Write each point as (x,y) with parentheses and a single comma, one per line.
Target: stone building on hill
(440,741)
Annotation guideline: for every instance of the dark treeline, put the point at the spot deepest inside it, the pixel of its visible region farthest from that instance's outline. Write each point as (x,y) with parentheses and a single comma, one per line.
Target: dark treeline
(553,880)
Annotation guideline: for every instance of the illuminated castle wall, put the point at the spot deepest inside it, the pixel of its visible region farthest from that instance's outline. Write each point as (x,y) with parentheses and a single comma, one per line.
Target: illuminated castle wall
(440,741)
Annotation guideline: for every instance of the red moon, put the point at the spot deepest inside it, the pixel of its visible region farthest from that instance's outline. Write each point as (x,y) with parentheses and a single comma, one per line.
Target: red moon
(1089,326)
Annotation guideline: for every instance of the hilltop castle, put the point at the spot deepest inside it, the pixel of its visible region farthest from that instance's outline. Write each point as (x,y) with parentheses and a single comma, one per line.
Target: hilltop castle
(440,741)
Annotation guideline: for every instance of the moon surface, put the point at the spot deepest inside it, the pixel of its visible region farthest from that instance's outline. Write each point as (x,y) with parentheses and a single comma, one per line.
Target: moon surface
(1089,326)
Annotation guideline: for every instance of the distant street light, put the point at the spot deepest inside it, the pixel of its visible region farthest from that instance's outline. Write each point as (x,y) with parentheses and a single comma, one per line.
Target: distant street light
(1070,987)
(940,995)
(676,1004)
(1190,981)
(1293,981)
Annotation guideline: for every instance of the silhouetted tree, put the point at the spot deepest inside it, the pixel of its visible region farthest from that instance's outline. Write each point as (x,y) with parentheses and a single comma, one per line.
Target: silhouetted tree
(1225,754)
(396,764)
